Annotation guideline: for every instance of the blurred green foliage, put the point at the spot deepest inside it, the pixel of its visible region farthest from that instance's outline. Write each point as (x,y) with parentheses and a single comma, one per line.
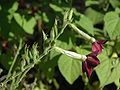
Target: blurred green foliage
(46,22)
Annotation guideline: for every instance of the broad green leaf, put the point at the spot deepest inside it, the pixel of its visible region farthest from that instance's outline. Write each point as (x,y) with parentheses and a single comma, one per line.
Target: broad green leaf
(86,24)
(94,15)
(91,2)
(13,8)
(115,74)
(114,3)
(28,26)
(70,68)
(117,10)
(112,24)
(103,72)
(18,18)
(36,88)
(56,8)
(117,83)
(104,55)
(102,68)
(82,50)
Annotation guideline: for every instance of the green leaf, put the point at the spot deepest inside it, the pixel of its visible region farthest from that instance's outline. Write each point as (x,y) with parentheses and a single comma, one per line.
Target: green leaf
(94,15)
(103,71)
(113,70)
(56,8)
(82,51)
(117,83)
(13,8)
(18,19)
(91,2)
(70,68)
(115,74)
(86,24)
(29,25)
(45,17)
(117,46)
(114,3)
(102,68)
(103,56)
(112,24)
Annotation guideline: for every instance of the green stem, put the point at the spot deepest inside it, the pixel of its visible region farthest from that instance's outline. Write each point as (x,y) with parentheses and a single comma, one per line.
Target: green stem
(82,33)
(15,58)
(64,26)
(26,71)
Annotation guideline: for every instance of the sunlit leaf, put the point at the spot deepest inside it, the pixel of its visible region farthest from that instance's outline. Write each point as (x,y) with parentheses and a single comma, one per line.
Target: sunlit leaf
(14,7)
(45,17)
(103,71)
(86,24)
(94,15)
(102,68)
(56,8)
(112,24)
(115,74)
(70,68)
(29,25)
(18,18)
(115,3)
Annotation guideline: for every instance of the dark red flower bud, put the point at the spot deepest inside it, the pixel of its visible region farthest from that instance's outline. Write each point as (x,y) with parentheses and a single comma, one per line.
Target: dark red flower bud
(91,62)
(97,46)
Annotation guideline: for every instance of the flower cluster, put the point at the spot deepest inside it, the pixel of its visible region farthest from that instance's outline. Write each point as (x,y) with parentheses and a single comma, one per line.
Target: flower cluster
(88,61)
(92,60)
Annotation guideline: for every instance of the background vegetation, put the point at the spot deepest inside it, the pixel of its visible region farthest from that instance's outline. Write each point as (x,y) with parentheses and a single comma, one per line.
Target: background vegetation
(29,29)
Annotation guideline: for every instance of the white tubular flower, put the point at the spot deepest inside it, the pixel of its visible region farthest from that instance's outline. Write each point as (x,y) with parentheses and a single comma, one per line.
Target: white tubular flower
(71,54)
(82,33)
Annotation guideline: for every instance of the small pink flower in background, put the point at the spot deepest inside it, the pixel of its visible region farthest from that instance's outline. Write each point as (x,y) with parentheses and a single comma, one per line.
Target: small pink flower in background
(91,62)
(97,46)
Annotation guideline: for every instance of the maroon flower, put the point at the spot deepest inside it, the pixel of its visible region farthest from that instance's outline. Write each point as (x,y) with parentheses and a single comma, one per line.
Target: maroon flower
(91,62)
(97,46)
